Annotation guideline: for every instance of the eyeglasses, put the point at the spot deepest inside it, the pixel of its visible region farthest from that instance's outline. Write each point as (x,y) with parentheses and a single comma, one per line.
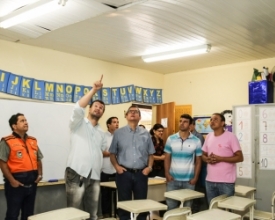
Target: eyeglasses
(160,130)
(133,111)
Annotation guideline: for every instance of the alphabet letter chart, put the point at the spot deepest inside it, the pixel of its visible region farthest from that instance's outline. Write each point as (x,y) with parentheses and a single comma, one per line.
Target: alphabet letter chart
(267,138)
(243,131)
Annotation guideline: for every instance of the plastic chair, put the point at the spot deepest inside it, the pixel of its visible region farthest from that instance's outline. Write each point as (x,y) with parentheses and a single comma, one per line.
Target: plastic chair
(177,214)
(214,201)
(261,215)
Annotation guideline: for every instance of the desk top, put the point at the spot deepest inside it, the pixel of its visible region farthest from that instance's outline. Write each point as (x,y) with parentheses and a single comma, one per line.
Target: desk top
(151,182)
(142,205)
(236,203)
(214,214)
(183,194)
(43,183)
(243,190)
(61,214)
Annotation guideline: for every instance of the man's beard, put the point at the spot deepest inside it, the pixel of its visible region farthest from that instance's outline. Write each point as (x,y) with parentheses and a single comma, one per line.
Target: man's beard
(96,117)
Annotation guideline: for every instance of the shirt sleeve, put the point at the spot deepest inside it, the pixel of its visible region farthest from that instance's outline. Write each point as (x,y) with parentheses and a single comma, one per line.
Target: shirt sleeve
(77,116)
(151,146)
(198,148)
(114,144)
(39,155)
(167,148)
(4,151)
(235,143)
(104,146)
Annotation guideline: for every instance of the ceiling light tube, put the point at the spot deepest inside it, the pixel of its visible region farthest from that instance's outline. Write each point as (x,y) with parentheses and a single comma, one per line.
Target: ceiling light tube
(177,53)
(29,12)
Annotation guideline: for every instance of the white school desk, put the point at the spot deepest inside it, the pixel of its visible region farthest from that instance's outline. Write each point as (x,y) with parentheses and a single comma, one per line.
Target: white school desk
(214,214)
(138,206)
(43,183)
(245,191)
(183,195)
(156,188)
(62,214)
(239,204)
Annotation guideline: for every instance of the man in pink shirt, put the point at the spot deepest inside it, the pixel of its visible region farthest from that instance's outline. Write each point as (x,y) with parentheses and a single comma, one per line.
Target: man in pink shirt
(221,152)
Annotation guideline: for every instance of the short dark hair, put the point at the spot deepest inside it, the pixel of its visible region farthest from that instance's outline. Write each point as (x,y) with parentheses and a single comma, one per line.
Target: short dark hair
(110,120)
(132,106)
(13,119)
(156,127)
(187,116)
(221,117)
(97,100)
(226,112)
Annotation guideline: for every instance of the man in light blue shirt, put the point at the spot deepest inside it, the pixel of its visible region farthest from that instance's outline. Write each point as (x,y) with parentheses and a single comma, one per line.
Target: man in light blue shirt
(108,171)
(132,152)
(85,158)
(182,161)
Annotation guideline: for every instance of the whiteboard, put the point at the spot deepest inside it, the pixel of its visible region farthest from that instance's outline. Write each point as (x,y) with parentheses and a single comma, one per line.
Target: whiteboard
(266,137)
(242,127)
(49,124)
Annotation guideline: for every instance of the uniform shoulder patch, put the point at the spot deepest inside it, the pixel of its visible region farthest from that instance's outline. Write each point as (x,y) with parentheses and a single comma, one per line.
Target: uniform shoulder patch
(8,137)
(32,137)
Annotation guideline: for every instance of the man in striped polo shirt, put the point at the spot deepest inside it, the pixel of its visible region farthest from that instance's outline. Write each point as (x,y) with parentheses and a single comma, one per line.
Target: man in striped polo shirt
(182,160)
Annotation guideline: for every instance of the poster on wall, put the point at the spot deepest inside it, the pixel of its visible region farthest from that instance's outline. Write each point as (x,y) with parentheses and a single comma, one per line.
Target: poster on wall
(202,124)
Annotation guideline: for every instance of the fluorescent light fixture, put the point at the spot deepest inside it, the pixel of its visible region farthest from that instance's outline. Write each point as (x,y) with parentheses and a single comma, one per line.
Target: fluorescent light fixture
(190,51)
(30,11)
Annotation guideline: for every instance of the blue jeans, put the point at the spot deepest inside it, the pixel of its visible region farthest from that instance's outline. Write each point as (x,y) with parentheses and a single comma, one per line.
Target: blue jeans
(129,184)
(174,185)
(82,196)
(215,189)
(20,198)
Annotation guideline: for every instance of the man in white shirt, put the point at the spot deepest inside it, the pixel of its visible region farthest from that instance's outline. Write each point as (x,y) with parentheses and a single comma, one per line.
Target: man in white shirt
(85,158)
(108,172)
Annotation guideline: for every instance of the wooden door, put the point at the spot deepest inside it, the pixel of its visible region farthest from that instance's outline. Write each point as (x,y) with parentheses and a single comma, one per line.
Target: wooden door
(179,110)
(167,110)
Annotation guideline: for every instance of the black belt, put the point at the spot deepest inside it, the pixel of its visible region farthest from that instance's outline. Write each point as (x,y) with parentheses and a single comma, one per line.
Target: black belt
(133,170)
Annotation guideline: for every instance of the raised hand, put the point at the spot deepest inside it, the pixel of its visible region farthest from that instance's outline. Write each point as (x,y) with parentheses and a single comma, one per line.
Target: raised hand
(98,84)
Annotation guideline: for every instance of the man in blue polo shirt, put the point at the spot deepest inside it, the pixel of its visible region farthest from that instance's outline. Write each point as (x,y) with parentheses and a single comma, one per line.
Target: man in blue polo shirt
(182,161)
(132,152)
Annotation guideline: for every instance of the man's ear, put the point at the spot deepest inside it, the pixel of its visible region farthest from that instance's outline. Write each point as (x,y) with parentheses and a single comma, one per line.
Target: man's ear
(13,126)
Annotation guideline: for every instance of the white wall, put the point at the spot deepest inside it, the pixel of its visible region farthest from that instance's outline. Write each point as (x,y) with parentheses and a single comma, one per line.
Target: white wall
(50,65)
(212,89)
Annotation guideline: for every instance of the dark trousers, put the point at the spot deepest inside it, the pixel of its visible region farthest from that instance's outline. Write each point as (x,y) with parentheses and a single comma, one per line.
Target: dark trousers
(128,184)
(155,173)
(20,198)
(106,193)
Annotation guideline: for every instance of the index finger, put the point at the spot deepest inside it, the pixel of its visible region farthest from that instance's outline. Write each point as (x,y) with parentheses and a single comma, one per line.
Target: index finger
(101,78)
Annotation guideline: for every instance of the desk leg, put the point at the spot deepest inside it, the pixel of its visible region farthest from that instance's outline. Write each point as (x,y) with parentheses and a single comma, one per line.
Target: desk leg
(114,199)
(181,204)
(251,211)
(134,216)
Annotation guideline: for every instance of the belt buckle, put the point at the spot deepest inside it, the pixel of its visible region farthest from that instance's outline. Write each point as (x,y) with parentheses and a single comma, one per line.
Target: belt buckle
(27,186)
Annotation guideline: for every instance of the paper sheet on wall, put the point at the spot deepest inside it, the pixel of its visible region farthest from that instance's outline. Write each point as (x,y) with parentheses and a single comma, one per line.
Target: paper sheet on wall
(164,122)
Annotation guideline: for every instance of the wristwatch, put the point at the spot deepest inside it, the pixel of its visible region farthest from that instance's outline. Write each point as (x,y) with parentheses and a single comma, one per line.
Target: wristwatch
(150,168)
(40,176)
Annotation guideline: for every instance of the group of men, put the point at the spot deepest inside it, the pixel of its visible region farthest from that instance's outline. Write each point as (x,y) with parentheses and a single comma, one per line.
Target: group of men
(124,154)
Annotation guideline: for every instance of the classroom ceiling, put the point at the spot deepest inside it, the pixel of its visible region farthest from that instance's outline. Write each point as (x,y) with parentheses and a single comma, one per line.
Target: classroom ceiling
(121,31)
